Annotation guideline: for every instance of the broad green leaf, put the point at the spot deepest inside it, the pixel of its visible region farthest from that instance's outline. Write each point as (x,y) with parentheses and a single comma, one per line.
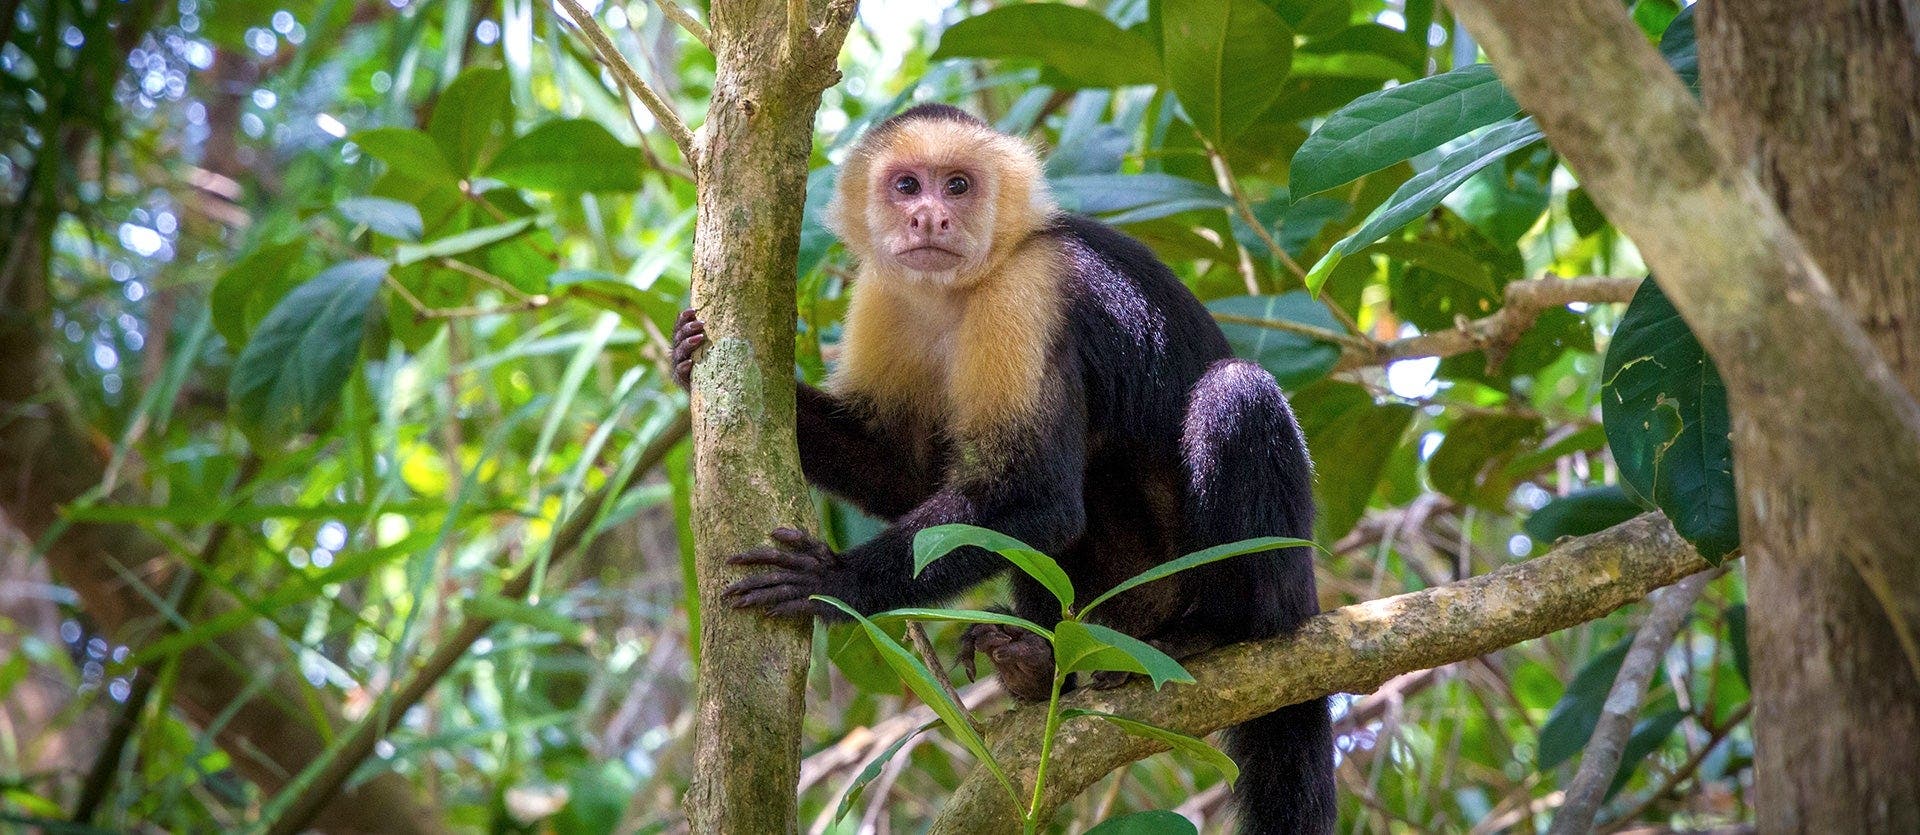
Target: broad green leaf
(1156,822)
(1392,44)
(1571,721)
(1181,743)
(1079,45)
(463,242)
(291,372)
(872,770)
(1426,189)
(962,616)
(391,218)
(1582,512)
(1226,60)
(1379,129)
(1647,735)
(1665,410)
(1132,198)
(472,119)
(243,294)
(1351,437)
(854,655)
(1453,263)
(1314,18)
(569,155)
(1737,637)
(1293,359)
(408,153)
(1470,463)
(921,681)
(604,291)
(1197,559)
(1682,52)
(938,541)
(492,606)
(1089,647)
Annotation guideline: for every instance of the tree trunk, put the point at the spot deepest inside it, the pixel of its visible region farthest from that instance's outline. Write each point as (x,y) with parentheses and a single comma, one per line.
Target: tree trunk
(752,174)
(1820,100)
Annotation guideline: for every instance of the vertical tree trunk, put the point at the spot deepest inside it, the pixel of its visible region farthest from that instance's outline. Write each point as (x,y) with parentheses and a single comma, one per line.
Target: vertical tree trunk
(752,173)
(1821,101)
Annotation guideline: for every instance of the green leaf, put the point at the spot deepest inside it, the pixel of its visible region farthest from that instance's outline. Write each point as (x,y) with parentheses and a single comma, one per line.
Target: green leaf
(1426,189)
(1582,512)
(492,606)
(293,369)
(1079,45)
(391,218)
(1351,437)
(1572,719)
(597,798)
(569,155)
(408,153)
(1665,410)
(1181,743)
(1197,559)
(1737,637)
(1090,647)
(1682,51)
(472,118)
(463,242)
(933,543)
(872,770)
(1133,198)
(243,294)
(1155,822)
(921,681)
(1469,465)
(962,616)
(1226,60)
(1293,359)
(1379,129)
(1646,738)
(1314,18)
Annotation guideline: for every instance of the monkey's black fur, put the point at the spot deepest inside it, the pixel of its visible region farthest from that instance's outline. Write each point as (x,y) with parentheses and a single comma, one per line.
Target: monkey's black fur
(1151,442)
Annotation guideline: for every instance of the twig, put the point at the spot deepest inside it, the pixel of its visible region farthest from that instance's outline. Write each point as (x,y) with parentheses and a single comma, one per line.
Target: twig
(685,19)
(1498,332)
(918,634)
(1680,775)
(1347,342)
(1602,758)
(610,56)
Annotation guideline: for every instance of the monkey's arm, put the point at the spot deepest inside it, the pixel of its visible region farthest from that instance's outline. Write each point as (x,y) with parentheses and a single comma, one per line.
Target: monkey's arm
(1031,491)
(843,454)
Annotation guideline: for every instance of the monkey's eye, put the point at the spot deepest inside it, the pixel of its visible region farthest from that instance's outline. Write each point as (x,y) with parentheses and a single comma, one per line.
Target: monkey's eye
(907,184)
(958,185)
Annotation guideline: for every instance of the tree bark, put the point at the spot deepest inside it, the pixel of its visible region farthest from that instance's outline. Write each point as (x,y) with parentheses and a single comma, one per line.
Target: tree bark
(1820,101)
(774,60)
(1353,649)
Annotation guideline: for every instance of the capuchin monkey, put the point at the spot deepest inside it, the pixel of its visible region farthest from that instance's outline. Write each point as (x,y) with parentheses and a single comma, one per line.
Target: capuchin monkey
(1008,365)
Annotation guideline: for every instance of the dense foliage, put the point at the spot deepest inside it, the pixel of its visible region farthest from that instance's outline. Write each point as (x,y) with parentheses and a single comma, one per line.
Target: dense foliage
(371,296)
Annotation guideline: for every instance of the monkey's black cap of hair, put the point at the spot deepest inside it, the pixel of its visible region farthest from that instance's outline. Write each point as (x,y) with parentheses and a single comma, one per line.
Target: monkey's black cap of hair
(936,112)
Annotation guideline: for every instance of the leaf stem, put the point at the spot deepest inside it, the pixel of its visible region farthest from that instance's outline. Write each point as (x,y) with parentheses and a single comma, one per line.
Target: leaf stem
(1046,748)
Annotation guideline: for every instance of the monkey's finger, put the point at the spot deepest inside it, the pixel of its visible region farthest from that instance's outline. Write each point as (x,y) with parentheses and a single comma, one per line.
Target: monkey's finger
(685,346)
(764,579)
(767,596)
(776,558)
(685,317)
(801,607)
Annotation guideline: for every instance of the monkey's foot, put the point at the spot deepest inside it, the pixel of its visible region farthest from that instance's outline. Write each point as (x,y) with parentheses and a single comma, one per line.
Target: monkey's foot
(1024,660)
(689,333)
(800,567)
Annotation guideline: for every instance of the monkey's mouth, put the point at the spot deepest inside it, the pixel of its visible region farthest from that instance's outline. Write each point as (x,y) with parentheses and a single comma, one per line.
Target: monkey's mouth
(929,258)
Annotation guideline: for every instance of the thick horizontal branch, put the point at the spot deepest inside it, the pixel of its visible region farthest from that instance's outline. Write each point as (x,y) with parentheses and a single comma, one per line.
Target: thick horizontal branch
(1349,650)
(1499,331)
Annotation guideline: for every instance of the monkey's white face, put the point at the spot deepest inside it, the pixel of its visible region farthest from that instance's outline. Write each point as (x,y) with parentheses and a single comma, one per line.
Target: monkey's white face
(931,220)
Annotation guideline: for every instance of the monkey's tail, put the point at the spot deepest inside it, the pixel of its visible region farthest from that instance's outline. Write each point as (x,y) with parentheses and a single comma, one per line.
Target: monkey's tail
(1250,475)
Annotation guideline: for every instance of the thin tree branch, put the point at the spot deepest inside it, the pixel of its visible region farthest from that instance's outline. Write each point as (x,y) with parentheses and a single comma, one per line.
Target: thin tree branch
(609,55)
(685,19)
(1352,649)
(1498,332)
(571,536)
(1715,736)
(1588,790)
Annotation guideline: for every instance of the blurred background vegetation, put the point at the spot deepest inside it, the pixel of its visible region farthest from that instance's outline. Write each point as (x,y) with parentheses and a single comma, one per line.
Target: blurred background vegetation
(351,301)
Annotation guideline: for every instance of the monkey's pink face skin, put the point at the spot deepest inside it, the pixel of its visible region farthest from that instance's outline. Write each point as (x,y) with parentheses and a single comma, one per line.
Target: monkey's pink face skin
(933,220)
